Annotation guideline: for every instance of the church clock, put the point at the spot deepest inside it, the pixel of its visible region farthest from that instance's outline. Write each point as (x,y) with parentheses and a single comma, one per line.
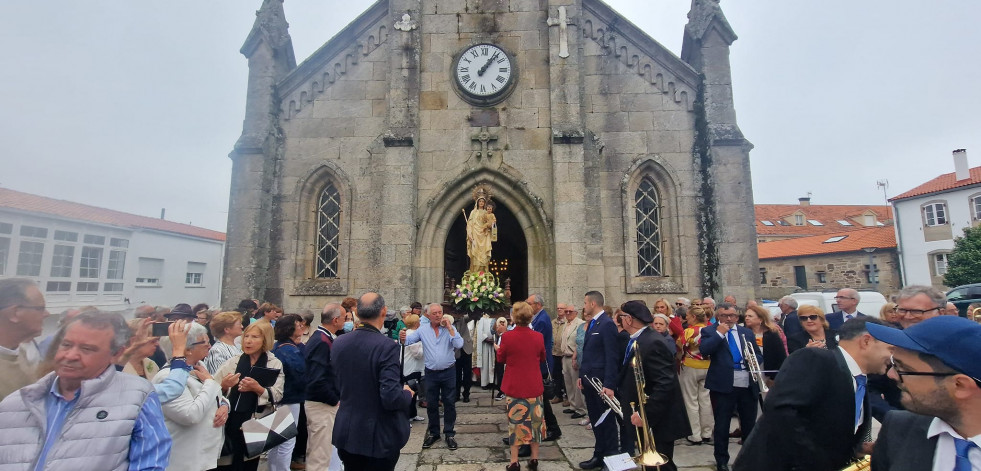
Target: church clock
(484,74)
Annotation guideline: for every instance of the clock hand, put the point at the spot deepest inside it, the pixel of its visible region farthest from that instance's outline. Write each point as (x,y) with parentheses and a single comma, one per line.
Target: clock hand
(480,73)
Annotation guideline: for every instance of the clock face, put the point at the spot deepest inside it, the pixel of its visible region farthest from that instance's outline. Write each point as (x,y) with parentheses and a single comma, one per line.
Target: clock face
(484,72)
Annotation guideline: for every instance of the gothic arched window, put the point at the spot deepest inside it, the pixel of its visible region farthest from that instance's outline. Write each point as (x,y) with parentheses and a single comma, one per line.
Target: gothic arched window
(328,231)
(647,205)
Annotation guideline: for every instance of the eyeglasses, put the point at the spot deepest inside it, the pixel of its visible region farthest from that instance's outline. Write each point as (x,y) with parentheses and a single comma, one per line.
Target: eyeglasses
(844,297)
(914,312)
(199,343)
(679,304)
(900,374)
(812,317)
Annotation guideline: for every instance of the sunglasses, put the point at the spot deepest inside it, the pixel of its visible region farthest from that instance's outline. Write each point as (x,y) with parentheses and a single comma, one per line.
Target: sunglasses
(812,317)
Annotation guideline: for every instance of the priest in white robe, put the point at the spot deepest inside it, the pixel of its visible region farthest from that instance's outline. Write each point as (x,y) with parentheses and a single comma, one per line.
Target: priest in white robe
(483,349)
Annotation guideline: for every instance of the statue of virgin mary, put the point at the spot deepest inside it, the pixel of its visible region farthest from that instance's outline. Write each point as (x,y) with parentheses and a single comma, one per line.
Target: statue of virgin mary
(479,226)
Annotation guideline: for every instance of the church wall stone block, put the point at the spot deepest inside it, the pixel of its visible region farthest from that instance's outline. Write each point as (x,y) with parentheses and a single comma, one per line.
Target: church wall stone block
(376,111)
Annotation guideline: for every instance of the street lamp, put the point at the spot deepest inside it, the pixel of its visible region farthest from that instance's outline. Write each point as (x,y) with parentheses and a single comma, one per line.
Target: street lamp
(873,273)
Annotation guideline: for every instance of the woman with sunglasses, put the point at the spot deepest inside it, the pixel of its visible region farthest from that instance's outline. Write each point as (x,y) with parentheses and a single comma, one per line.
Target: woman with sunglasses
(816,333)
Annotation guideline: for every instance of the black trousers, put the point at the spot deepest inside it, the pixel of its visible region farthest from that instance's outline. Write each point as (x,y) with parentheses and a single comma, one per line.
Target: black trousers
(606,433)
(551,423)
(355,462)
(419,390)
(464,374)
(300,450)
(557,374)
(740,399)
(629,445)
(441,386)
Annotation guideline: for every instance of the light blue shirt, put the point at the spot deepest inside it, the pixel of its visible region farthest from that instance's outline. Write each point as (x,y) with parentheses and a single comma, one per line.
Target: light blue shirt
(438,351)
(149,446)
(172,387)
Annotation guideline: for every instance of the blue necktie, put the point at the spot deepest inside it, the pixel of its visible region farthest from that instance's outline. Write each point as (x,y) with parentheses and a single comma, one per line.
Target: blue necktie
(737,356)
(962,447)
(859,397)
(626,355)
(591,324)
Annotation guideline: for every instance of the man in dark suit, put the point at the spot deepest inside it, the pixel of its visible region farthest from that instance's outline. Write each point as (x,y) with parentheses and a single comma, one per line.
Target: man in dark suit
(371,426)
(322,388)
(600,360)
(817,415)
(788,315)
(664,406)
(935,363)
(728,380)
(847,300)
(542,324)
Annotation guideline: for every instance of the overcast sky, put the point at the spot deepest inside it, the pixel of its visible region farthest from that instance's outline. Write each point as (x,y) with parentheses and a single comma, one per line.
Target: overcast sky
(134,105)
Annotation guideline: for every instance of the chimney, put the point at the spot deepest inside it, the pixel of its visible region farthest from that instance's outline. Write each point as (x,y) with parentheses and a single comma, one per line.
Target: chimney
(162,212)
(961,172)
(805,201)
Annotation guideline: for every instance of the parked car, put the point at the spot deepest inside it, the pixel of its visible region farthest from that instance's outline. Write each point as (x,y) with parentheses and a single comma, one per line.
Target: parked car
(869,304)
(962,296)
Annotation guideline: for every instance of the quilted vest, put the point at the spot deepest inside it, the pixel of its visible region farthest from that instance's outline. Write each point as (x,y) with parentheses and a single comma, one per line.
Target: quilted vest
(95,435)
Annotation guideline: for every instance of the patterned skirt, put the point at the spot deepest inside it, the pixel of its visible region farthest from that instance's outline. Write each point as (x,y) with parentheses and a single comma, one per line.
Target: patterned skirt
(526,420)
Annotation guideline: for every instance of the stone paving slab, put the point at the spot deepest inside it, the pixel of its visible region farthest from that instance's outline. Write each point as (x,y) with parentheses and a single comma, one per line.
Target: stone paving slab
(481,423)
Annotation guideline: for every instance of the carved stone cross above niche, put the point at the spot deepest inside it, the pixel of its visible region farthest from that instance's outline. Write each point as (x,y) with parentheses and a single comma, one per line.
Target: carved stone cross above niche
(407,24)
(485,139)
(563,23)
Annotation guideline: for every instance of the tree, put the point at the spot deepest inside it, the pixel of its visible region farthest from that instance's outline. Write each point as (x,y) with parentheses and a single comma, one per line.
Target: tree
(964,262)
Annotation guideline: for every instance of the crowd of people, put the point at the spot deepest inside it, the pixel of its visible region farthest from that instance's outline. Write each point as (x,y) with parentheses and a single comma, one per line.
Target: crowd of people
(172,387)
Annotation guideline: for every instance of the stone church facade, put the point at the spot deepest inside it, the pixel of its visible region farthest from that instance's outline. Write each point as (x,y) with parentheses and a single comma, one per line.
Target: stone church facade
(615,164)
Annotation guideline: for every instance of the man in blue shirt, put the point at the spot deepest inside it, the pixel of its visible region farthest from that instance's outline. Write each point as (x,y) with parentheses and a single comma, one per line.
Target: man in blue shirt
(86,415)
(438,339)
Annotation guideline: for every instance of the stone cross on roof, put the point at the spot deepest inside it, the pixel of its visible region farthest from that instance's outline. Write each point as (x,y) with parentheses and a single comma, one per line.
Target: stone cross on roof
(563,24)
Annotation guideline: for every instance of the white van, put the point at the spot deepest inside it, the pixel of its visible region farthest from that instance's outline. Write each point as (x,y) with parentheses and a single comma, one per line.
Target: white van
(870,302)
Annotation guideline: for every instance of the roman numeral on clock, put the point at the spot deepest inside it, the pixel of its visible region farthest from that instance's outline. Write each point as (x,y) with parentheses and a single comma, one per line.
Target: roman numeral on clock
(500,78)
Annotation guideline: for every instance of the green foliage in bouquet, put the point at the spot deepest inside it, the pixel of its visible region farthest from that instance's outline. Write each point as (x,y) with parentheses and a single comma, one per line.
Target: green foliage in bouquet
(479,291)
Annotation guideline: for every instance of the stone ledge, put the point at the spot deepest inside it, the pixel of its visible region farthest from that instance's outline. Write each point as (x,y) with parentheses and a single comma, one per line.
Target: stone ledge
(325,287)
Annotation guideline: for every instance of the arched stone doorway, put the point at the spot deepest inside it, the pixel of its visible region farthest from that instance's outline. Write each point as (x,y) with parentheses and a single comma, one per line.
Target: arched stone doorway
(527,220)
(511,246)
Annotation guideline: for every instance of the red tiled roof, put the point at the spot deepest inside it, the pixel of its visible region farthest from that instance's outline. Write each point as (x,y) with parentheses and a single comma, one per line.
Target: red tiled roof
(67,209)
(944,182)
(853,241)
(827,214)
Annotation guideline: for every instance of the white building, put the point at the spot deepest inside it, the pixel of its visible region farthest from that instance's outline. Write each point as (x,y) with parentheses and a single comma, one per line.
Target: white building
(82,255)
(930,216)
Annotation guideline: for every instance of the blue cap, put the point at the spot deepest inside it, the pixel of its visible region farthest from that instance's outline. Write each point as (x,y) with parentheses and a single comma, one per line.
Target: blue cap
(955,340)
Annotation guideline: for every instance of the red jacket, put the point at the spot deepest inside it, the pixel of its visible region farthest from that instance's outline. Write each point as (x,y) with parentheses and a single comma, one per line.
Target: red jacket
(522,353)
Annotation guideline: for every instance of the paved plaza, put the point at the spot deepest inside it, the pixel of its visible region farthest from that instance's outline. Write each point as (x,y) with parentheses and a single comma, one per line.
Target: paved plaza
(481,424)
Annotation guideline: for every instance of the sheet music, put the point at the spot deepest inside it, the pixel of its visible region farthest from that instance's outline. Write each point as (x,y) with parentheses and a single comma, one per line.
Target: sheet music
(621,462)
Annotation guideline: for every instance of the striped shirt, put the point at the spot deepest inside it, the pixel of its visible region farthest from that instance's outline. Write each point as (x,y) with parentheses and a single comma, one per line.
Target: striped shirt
(220,353)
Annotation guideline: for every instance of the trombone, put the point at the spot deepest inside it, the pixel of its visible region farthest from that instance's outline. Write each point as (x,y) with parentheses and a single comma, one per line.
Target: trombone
(648,455)
(611,402)
(753,365)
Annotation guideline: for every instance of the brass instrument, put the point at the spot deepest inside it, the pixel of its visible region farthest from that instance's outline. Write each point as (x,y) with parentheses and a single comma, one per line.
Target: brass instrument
(611,402)
(862,464)
(648,455)
(754,365)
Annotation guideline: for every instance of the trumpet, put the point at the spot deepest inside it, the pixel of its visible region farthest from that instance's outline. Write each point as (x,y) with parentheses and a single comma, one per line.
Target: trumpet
(862,464)
(648,455)
(754,365)
(611,402)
